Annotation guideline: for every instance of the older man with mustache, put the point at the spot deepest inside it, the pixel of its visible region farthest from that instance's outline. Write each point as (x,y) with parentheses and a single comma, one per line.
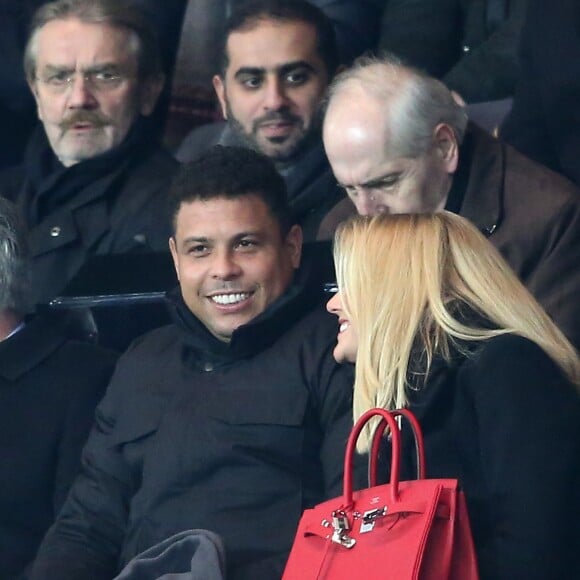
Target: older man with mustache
(93,179)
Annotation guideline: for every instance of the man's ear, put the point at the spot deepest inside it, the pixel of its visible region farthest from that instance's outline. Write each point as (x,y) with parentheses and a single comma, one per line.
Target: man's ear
(446,146)
(220,90)
(150,90)
(173,250)
(293,244)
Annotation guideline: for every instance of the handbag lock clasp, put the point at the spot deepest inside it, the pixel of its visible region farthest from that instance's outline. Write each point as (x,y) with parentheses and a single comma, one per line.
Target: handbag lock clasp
(341,526)
(369,518)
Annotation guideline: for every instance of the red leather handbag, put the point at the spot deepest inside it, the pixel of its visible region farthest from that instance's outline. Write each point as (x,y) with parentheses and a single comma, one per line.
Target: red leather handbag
(402,530)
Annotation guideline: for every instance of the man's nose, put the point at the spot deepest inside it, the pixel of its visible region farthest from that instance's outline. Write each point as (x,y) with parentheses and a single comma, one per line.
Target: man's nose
(275,95)
(81,95)
(366,204)
(225,266)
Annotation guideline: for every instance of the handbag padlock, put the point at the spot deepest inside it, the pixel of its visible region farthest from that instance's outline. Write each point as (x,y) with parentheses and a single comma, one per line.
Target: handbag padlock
(341,526)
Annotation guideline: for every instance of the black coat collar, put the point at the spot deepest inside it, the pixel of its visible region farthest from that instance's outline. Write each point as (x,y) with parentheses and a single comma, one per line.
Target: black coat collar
(309,179)
(39,338)
(50,187)
(483,198)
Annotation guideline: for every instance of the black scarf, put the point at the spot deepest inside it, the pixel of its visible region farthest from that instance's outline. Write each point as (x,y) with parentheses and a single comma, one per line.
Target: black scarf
(309,179)
(49,185)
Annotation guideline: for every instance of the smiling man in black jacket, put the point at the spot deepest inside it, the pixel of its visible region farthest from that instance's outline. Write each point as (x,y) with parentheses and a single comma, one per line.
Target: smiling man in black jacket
(232,419)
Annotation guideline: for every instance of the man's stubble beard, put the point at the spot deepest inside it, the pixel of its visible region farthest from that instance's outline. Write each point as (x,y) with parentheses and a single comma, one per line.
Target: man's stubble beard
(280,157)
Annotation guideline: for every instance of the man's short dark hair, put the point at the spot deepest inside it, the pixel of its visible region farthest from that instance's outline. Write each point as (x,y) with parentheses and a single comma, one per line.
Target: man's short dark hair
(248,16)
(231,173)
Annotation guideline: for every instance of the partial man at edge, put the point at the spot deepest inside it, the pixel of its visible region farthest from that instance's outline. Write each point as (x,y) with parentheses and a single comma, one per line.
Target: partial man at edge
(49,388)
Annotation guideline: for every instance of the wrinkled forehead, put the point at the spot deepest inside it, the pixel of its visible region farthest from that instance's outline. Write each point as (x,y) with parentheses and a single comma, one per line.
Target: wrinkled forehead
(356,135)
(71,41)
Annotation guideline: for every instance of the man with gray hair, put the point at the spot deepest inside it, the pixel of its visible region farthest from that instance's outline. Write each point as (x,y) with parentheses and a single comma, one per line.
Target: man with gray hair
(49,387)
(94,178)
(407,147)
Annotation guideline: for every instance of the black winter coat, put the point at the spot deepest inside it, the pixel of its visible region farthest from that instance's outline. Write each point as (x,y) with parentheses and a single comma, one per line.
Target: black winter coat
(544,122)
(236,438)
(506,423)
(49,388)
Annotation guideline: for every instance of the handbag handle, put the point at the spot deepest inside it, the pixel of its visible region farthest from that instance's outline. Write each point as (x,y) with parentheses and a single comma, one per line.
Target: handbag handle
(418,440)
(388,419)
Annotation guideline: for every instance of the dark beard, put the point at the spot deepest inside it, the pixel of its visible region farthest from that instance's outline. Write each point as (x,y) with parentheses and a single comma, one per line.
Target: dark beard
(282,158)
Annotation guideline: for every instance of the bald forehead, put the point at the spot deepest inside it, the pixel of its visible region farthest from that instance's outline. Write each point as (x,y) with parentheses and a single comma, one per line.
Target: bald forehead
(381,83)
(355,136)
(373,96)
(353,109)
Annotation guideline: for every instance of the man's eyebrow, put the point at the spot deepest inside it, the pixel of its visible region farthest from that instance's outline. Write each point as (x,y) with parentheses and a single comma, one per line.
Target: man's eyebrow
(57,68)
(103,66)
(233,239)
(290,66)
(381,178)
(242,235)
(282,69)
(249,71)
(93,68)
(196,240)
(373,180)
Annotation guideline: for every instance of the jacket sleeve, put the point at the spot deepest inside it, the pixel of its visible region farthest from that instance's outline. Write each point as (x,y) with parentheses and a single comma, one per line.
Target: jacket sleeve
(332,384)
(85,541)
(97,369)
(489,68)
(555,282)
(528,421)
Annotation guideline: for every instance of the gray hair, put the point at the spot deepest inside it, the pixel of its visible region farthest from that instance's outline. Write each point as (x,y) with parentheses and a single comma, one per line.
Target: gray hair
(116,13)
(14,267)
(416,104)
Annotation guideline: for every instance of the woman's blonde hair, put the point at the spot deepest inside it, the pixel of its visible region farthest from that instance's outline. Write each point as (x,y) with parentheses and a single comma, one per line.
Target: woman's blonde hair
(419,286)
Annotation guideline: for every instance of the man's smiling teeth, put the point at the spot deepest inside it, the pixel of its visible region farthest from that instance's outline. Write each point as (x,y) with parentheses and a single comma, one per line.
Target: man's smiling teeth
(343,326)
(230,298)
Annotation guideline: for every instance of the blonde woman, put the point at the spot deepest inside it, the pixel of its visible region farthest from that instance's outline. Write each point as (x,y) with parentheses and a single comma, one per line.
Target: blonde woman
(436,321)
